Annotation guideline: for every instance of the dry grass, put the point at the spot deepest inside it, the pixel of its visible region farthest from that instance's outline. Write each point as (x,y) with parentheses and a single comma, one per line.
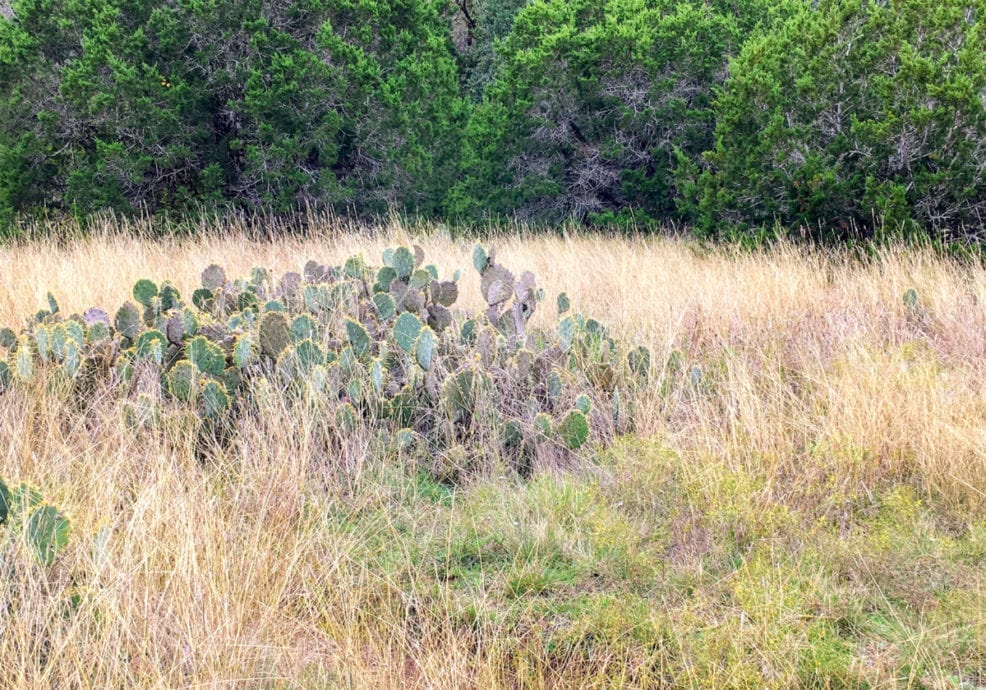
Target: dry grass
(832,457)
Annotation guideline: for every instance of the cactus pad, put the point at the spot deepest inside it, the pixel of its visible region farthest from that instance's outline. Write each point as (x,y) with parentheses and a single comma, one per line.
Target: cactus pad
(127,321)
(425,352)
(573,430)
(406,331)
(7,338)
(275,334)
(144,291)
(214,399)
(213,277)
(402,262)
(206,356)
(359,339)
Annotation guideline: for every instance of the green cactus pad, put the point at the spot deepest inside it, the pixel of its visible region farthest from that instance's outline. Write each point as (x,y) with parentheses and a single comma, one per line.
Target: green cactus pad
(479,259)
(127,321)
(56,340)
(420,279)
(213,277)
(308,355)
(359,339)
(564,304)
(182,380)
(542,425)
(573,431)
(468,332)
(190,322)
(385,276)
(583,404)
(402,262)
(639,361)
(4,502)
(206,356)
(385,305)
(354,390)
(203,298)
(75,332)
(376,376)
(47,533)
(72,358)
(5,377)
(247,300)
(244,351)
(97,333)
(345,418)
(144,291)
(275,334)
(566,333)
(151,345)
(214,399)
(303,328)
(425,352)
(354,268)
(7,338)
(406,330)
(458,393)
(911,298)
(24,361)
(170,297)
(315,299)
(510,435)
(42,342)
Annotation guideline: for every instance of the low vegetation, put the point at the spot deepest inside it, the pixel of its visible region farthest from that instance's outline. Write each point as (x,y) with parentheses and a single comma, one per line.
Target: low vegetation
(795,497)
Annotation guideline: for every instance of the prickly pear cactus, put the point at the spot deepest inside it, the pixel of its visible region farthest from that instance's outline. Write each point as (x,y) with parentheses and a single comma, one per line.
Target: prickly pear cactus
(43,529)
(382,349)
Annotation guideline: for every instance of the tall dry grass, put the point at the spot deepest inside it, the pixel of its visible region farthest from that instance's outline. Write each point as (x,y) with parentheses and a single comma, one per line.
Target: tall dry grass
(816,381)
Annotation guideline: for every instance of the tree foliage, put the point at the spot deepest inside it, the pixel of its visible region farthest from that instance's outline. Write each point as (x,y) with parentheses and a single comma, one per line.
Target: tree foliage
(722,114)
(855,113)
(593,105)
(130,105)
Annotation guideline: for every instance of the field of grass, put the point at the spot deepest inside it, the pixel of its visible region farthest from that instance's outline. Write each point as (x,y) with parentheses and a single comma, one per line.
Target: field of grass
(809,512)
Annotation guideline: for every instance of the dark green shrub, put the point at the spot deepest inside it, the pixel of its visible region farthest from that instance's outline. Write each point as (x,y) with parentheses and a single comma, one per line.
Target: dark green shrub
(855,114)
(271,106)
(593,105)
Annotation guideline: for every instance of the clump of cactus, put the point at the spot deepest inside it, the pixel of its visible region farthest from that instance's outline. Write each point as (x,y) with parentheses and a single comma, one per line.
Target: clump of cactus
(25,515)
(382,348)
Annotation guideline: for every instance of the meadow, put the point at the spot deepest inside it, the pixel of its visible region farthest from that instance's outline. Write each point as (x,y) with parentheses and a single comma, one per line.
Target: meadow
(806,511)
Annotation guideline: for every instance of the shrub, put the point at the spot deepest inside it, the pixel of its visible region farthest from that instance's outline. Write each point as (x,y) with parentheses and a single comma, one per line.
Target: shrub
(855,113)
(593,105)
(137,106)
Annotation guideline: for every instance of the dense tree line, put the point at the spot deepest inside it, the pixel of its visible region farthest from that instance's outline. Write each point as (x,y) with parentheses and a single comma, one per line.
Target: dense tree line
(722,114)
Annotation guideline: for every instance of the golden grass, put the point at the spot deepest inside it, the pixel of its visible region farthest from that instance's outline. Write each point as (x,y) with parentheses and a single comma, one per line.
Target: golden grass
(818,386)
